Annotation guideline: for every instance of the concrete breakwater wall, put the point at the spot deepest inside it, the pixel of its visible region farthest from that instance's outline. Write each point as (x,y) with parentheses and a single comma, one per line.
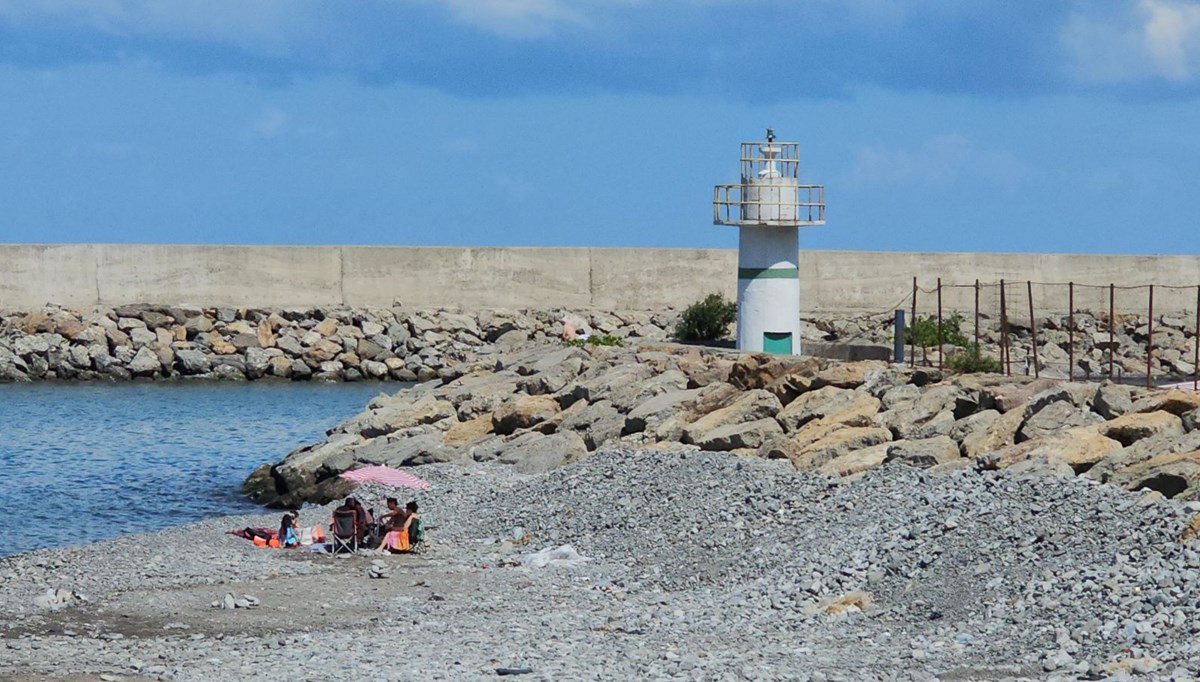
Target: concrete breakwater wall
(81,275)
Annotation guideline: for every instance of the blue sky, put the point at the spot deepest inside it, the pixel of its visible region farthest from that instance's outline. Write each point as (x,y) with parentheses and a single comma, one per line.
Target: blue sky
(945,125)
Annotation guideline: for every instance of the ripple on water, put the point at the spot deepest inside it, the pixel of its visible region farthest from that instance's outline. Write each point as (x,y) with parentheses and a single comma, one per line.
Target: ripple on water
(83,462)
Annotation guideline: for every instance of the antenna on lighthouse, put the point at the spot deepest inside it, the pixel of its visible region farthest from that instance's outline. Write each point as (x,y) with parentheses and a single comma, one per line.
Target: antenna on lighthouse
(768,207)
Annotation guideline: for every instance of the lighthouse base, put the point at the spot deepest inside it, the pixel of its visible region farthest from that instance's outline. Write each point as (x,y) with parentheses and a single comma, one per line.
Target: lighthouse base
(768,290)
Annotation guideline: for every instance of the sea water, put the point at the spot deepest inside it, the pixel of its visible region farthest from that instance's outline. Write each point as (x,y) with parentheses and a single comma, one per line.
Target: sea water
(81,462)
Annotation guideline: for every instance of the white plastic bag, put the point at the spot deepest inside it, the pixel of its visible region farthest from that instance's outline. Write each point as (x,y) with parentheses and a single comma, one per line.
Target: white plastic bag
(564,556)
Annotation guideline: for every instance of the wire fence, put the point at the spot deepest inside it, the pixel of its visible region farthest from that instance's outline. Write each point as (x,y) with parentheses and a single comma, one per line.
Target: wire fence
(1132,334)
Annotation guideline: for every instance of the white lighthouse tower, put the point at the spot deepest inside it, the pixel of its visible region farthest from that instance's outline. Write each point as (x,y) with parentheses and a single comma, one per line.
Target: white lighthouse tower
(768,207)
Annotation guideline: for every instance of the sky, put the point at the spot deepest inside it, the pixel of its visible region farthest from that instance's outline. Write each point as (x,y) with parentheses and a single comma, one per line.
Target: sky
(935,125)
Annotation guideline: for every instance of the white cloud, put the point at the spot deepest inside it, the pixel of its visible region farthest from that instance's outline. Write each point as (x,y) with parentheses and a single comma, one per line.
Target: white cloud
(270,26)
(940,161)
(516,18)
(1152,39)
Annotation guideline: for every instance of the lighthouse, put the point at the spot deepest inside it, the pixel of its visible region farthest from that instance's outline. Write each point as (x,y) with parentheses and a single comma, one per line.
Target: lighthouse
(768,207)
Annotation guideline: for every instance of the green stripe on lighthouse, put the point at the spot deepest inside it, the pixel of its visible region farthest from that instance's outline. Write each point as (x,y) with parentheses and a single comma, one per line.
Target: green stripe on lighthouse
(768,273)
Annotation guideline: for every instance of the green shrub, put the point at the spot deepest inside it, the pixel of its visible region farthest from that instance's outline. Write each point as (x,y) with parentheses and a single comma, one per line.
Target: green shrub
(605,340)
(925,329)
(971,361)
(707,319)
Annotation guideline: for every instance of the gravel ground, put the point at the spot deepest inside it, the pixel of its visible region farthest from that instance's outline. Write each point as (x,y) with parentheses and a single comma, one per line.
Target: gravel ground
(703,566)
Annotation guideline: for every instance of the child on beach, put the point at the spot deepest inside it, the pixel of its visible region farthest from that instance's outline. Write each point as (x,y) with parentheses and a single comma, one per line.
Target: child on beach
(289,529)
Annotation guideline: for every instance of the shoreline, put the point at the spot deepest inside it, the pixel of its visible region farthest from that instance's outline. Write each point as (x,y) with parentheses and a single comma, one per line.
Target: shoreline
(735,600)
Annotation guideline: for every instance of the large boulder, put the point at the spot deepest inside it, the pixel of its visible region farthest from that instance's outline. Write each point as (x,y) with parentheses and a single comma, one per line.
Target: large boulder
(1175,401)
(1140,451)
(1113,400)
(603,383)
(906,419)
(753,371)
(462,434)
(654,411)
(1081,448)
(597,423)
(295,478)
(144,363)
(999,432)
(747,407)
(523,413)
(534,453)
(923,453)
(402,414)
(740,436)
(1133,427)
(817,404)
(1175,475)
(848,374)
(811,455)
(191,361)
(406,450)
(798,380)
(856,461)
(628,397)
(1054,418)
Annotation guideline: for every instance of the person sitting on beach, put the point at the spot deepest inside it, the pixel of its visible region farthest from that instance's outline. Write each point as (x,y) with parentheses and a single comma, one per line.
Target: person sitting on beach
(403,538)
(394,518)
(349,506)
(363,516)
(289,529)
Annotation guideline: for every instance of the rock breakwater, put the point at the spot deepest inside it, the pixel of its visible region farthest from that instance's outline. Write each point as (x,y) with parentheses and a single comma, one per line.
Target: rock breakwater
(539,409)
(332,344)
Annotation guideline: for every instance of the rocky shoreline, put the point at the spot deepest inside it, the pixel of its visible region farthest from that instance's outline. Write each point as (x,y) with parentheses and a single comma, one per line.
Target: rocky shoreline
(539,409)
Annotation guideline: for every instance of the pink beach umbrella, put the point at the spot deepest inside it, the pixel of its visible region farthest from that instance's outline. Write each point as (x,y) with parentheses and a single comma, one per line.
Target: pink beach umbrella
(387,476)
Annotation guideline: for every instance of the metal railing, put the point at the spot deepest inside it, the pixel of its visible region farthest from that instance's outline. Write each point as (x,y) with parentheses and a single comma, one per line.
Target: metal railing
(783,206)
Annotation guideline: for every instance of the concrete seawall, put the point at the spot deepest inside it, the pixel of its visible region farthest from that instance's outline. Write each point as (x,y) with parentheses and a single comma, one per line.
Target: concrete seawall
(78,275)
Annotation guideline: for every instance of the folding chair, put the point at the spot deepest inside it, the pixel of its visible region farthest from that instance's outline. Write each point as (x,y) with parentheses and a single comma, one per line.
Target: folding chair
(345,531)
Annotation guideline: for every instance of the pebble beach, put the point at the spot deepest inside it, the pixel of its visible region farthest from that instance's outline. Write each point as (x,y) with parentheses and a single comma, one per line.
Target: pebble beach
(700,566)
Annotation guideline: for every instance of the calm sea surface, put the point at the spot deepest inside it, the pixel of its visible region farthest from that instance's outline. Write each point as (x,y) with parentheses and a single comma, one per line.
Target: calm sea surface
(82,462)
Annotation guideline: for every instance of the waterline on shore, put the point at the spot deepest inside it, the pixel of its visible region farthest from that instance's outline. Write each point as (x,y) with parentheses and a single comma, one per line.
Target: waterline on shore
(85,462)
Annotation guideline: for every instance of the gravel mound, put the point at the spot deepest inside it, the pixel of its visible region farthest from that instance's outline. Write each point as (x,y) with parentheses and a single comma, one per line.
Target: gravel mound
(1049,574)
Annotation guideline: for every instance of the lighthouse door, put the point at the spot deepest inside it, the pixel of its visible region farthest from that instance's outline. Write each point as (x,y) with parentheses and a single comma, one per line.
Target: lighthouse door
(778,343)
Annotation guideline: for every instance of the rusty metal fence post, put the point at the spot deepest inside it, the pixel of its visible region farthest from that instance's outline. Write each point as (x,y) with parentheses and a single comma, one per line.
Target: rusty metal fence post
(1150,342)
(1112,294)
(941,341)
(1004,352)
(1032,327)
(1071,331)
(912,329)
(976,317)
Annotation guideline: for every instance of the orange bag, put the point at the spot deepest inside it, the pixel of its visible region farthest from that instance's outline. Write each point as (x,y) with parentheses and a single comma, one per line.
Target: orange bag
(259,542)
(273,542)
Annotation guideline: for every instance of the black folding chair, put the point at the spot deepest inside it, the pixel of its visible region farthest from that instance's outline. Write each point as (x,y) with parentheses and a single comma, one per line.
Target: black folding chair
(345,531)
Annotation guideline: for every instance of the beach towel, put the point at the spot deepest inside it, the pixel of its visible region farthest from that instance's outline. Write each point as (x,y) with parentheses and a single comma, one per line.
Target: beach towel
(396,540)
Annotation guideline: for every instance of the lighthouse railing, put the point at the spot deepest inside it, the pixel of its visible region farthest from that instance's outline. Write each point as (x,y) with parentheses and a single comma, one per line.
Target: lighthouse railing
(798,205)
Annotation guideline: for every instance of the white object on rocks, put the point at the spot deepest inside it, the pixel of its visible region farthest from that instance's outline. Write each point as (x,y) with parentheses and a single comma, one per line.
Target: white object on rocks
(564,556)
(378,569)
(230,602)
(55,599)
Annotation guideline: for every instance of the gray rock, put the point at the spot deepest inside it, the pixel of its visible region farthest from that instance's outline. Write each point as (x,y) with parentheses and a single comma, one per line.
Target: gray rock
(190,361)
(144,363)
